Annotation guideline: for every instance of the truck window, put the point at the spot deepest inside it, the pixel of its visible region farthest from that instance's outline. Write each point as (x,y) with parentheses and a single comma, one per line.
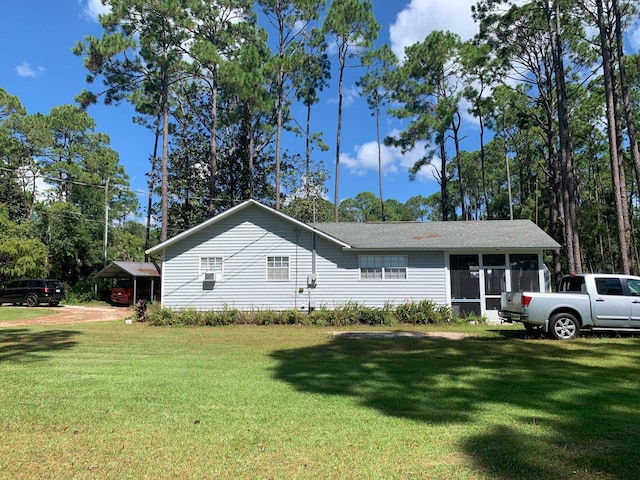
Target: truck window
(634,287)
(609,286)
(573,284)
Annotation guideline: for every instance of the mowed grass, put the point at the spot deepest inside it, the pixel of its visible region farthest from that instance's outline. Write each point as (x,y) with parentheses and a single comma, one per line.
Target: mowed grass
(8,314)
(116,401)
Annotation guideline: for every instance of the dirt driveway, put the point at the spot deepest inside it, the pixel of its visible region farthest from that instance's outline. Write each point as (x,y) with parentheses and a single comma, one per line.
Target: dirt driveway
(73,314)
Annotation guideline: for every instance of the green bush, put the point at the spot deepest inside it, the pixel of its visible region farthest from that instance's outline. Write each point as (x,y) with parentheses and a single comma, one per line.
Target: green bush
(423,312)
(162,316)
(81,292)
(190,316)
(292,317)
(319,316)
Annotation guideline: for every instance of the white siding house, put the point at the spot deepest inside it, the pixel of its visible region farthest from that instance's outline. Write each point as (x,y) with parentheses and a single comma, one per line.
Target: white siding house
(254,257)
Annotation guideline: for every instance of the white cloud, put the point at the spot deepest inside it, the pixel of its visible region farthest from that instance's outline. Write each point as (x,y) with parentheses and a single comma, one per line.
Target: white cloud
(364,160)
(421,17)
(349,95)
(93,8)
(25,69)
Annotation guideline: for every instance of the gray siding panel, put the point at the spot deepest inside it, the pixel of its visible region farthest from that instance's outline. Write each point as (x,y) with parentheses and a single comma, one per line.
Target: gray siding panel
(245,239)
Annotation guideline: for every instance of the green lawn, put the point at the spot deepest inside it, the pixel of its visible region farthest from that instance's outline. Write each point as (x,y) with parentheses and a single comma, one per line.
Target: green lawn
(8,314)
(116,401)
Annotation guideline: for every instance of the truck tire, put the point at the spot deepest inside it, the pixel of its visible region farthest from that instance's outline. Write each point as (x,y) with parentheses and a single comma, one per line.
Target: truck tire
(564,326)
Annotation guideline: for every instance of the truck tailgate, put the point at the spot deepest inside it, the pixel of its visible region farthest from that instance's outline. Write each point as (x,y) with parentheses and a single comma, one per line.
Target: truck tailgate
(511,302)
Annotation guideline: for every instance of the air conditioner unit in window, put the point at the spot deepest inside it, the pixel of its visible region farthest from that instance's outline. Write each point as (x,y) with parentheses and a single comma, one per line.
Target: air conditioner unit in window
(210,277)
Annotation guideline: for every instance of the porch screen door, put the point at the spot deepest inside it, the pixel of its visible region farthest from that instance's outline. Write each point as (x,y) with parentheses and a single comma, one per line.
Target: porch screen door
(465,284)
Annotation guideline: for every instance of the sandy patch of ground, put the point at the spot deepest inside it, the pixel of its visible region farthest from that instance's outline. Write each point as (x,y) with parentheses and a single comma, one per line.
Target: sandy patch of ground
(74,314)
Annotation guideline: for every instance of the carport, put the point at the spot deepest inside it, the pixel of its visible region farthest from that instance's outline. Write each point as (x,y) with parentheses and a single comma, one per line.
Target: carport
(135,272)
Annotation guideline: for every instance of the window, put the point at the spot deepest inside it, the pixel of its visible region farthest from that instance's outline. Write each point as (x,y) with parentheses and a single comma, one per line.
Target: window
(465,276)
(609,286)
(383,267)
(210,265)
(573,284)
(277,268)
(634,287)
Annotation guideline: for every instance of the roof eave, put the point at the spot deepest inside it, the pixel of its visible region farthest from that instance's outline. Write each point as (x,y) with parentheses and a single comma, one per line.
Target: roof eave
(161,246)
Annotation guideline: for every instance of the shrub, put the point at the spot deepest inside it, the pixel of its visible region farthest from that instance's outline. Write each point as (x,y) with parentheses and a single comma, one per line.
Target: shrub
(161,316)
(423,312)
(377,316)
(190,316)
(320,316)
(291,317)
(417,313)
(141,310)
(81,292)
(349,314)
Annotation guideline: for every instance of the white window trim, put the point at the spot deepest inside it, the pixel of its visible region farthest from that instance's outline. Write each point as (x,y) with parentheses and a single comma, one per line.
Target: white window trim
(278,268)
(384,267)
(218,267)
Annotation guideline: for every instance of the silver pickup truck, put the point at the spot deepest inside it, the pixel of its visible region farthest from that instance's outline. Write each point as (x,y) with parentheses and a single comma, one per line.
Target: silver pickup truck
(591,301)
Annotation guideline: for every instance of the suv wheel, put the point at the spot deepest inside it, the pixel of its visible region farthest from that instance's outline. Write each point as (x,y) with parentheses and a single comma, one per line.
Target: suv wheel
(32,300)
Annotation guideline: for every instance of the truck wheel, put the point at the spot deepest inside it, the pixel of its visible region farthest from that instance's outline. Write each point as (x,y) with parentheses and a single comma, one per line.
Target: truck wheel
(564,326)
(32,301)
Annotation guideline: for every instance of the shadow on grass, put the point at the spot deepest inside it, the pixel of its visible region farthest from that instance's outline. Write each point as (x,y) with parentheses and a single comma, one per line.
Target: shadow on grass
(23,344)
(556,409)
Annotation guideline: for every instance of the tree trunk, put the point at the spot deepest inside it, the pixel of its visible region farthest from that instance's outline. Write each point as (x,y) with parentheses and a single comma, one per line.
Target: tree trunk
(485,193)
(455,127)
(444,182)
(617,168)
(624,88)
(164,203)
(569,194)
(279,121)
(508,170)
(336,196)
(307,156)
(152,186)
(379,156)
(213,150)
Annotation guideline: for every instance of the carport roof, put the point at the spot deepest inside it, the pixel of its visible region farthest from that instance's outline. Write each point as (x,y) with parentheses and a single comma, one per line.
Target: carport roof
(129,269)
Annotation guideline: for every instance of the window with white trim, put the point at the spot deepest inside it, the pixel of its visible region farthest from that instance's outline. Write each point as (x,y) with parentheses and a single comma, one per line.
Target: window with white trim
(383,267)
(277,268)
(211,265)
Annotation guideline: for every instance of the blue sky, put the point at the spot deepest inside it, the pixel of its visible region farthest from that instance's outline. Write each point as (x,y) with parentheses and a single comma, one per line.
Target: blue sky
(37,66)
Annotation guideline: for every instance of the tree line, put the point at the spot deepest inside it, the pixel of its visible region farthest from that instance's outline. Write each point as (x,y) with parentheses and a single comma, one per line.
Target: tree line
(548,82)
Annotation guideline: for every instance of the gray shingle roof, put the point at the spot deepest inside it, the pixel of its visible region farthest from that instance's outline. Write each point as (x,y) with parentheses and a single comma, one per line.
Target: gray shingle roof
(520,234)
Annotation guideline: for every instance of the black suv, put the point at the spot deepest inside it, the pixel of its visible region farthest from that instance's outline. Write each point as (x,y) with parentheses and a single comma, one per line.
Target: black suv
(33,291)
